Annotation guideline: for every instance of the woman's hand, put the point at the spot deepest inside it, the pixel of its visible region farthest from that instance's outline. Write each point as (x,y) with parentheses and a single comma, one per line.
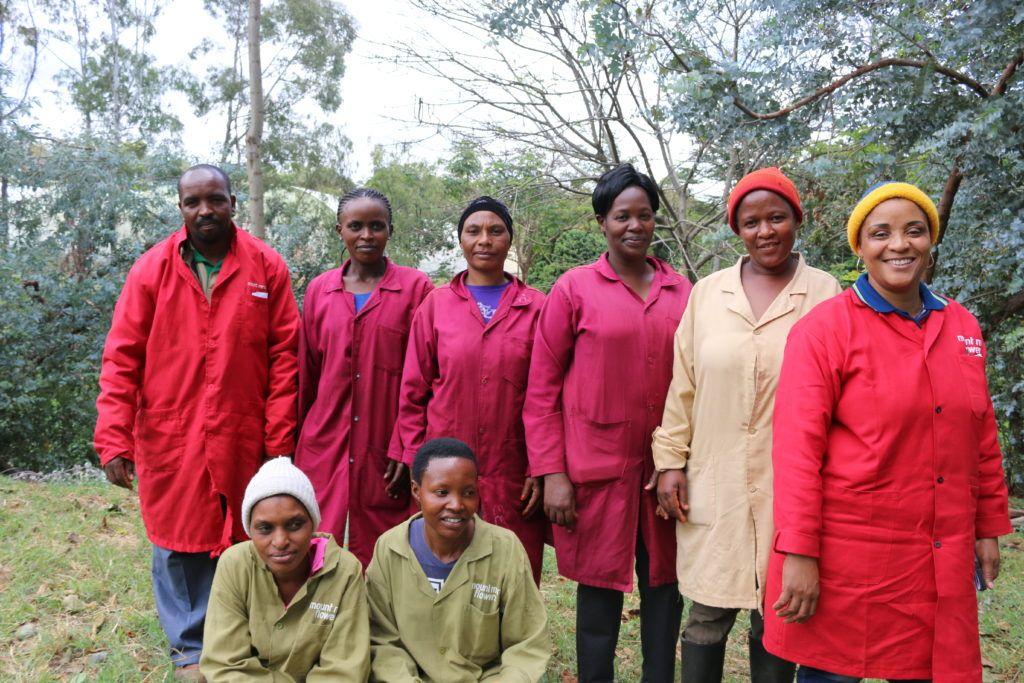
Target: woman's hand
(799,598)
(672,498)
(395,478)
(560,500)
(530,498)
(121,472)
(987,550)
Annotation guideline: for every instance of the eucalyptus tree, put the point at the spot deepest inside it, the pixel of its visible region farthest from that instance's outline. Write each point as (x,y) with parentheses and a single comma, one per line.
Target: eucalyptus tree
(294,84)
(572,79)
(928,92)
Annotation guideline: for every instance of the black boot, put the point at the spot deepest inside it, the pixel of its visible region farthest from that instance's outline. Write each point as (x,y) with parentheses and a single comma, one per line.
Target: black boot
(766,667)
(703,663)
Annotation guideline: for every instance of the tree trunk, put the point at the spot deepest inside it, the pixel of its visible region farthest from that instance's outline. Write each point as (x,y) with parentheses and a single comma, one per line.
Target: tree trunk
(5,215)
(254,136)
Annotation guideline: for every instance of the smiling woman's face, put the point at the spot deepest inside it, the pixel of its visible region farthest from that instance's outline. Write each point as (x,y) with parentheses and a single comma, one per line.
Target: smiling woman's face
(628,226)
(767,225)
(894,242)
(281,531)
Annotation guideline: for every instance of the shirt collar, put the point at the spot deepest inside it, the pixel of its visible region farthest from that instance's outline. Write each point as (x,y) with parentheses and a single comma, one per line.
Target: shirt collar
(668,275)
(876,302)
(390,280)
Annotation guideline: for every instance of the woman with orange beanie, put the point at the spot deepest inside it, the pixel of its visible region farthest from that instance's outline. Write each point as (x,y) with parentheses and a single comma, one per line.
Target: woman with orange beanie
(713,448)
(888,475)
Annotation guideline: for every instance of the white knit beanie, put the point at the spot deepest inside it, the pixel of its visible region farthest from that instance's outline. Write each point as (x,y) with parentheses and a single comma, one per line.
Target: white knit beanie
(276,477)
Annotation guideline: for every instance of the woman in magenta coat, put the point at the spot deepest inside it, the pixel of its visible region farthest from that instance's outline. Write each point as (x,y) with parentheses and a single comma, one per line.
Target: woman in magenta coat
(355,323)
(888,475)
(466,370)
(602,363)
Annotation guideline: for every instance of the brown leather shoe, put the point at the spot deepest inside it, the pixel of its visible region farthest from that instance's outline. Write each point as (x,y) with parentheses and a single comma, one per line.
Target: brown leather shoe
(189,673)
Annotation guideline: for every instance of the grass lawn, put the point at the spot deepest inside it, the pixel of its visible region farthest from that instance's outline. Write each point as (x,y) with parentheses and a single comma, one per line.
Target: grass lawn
(74,567)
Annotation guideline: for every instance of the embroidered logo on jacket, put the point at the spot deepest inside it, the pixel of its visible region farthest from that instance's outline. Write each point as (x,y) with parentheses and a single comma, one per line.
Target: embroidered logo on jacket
(323,611)
(973,347)
(482,591)
(257,290)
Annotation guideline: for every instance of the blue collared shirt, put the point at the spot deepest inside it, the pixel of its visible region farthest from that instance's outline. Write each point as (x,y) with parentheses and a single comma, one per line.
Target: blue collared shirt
(870,296)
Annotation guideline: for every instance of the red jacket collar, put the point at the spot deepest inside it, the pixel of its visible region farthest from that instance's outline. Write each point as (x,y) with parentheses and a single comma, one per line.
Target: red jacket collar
(662,270)
(390,281)
(518,295)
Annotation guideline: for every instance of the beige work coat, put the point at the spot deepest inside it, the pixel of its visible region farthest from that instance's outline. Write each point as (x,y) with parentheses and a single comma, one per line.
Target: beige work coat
(718,425)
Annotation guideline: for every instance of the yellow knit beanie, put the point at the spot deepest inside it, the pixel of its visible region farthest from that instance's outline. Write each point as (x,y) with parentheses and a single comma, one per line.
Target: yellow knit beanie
(879,193)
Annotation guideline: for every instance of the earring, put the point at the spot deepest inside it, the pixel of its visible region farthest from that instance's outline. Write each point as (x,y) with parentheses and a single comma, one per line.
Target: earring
(860,264)
(931,259)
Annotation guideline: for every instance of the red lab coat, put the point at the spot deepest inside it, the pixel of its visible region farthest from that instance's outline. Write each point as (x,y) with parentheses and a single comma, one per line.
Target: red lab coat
(887,468)
(198,393)
(350,367)
(467,380)
(602,363)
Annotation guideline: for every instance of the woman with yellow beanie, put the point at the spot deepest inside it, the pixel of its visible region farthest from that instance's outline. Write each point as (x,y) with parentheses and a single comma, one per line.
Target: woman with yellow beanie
(888,474)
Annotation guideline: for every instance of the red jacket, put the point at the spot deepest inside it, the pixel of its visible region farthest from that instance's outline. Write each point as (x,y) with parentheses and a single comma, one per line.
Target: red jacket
(602,363)
(350,367)
(887,468)
(198,393)
(467,380)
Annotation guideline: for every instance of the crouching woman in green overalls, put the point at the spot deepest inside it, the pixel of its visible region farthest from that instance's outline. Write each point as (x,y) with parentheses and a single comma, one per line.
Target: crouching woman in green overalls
(452,598)
(287,605)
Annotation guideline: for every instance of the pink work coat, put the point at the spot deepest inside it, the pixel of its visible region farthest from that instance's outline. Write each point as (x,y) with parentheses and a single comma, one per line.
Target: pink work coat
(350,367)
(601,367)
(887,468)
(467,380)
(198,392)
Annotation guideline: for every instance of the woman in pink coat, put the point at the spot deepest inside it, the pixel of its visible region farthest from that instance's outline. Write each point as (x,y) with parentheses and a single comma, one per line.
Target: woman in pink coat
(888,475)
(355,323)
(466,370)
(602,363)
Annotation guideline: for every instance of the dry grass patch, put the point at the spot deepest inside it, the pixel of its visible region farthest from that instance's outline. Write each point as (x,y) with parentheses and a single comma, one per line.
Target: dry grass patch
(74,573)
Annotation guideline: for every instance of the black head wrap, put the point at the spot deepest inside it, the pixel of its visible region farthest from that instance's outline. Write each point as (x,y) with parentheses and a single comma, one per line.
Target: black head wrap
(486,203)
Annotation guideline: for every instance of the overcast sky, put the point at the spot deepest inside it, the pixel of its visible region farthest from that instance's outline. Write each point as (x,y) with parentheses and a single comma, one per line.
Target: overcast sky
(377,96)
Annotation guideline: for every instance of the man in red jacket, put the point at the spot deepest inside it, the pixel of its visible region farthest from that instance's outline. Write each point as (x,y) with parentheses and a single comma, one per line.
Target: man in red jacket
(198,385)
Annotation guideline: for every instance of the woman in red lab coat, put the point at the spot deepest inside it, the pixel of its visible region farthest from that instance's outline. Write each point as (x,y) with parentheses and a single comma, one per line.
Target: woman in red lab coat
(466,370)
(602,363)
(355,323)
(888,474)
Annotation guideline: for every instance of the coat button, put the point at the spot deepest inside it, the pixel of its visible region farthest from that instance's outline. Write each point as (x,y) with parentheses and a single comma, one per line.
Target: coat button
(278,626)
(752,430)
(443,650)
(351,459)
(359,375)
(938,409)
(355,418)
(940,480)
(483,380)
(938,544)
(753,489)
(758,331)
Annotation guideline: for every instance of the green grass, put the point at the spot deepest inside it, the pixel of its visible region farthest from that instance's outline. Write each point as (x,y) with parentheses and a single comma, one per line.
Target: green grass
(74,561)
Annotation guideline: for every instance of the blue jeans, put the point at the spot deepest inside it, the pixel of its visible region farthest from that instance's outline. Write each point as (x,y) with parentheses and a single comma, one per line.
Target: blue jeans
(806,674)
(181,588)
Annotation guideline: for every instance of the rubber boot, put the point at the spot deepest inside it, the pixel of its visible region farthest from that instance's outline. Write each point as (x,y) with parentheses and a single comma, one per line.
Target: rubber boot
(766,667)
(702,663)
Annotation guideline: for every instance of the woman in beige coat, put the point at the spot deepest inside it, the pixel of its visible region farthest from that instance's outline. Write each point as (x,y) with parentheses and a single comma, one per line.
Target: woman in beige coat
(713,449)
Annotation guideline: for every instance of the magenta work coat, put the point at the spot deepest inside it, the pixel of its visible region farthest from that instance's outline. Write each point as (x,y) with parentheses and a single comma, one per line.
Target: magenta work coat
(467,380)
(350,368)
(887,468)
(602,363)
